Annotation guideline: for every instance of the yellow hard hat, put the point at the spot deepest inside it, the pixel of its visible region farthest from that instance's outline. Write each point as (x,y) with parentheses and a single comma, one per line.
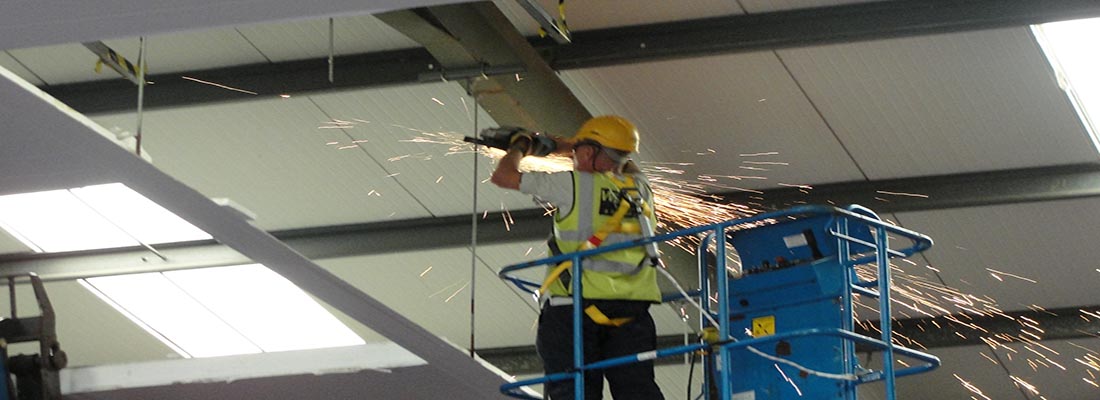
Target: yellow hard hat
(611,131)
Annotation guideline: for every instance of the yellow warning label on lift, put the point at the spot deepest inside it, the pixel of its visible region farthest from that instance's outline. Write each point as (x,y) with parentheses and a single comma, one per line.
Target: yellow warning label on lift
(763,326)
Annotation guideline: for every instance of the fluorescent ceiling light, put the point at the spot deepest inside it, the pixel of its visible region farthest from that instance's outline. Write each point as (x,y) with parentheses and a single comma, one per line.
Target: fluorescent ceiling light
(91,217)
(1071,48)
(57,221)
(224,311)
(170,314)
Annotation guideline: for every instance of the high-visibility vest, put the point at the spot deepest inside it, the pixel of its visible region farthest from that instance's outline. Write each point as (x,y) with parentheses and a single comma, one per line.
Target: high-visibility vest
(619,275)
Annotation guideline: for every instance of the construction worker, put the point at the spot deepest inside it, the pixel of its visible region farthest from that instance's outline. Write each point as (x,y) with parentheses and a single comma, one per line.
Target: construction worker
(618,287)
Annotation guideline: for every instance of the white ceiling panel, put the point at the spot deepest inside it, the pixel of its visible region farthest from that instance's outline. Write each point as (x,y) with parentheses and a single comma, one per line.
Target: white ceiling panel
(189,51)
(198,50)
(62,63)
(11,64)
(29,24)
(943,104)
(588,15)
(310,39)
(270,157)
(1042,367)
(965,362)
(432,289)
(1047,247)
(9,244)
(729,116)
(402,128)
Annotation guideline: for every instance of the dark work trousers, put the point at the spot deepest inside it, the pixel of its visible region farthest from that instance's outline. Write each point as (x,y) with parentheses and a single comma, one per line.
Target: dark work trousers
(628,382)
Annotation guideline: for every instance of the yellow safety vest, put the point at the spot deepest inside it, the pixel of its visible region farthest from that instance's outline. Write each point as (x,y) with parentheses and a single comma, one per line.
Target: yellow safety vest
(619,275)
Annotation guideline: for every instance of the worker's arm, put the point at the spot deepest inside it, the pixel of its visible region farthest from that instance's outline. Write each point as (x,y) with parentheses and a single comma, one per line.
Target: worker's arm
(507,174)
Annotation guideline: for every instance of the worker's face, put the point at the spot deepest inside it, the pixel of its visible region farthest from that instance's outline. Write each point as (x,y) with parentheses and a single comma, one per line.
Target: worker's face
(589,157)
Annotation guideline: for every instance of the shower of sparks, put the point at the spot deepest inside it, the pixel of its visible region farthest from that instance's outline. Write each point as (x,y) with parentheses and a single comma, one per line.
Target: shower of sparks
(352,146)
(466,107)
(456,292)
(754,168)
(682,202)
(440,179)
(1024,384)
(219,85)
(923,196)
(331,143)
(426,271)
(440,291)
(969,386)
(997,274)
(795,185)
(437,101)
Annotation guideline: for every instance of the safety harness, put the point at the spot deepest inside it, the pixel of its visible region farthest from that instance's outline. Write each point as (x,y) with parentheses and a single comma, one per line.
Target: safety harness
(614,224)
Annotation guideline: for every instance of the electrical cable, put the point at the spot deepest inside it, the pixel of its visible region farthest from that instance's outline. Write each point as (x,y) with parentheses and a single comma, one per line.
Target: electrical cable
(839,377)
(710,318)
(141,93)
(473,233)
(331,49)
(691,373)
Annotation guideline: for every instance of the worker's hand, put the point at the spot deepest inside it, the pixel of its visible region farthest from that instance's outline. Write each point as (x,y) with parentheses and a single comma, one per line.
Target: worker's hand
(541,145)
(522,142)
(500,138)
(533,144)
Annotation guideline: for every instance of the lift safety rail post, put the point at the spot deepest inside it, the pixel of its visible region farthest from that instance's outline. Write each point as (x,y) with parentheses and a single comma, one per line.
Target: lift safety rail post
(784,322)
(33,376)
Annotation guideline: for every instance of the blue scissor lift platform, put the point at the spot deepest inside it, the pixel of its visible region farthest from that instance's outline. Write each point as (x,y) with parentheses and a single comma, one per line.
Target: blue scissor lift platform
(784,328)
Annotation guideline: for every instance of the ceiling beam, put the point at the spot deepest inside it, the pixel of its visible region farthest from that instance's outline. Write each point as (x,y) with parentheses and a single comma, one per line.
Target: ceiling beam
(259,81)
(477,35)
(1059,324)
(940,192)
(632,44)
(313,243)
(47,22)
(943,191)
(806,27)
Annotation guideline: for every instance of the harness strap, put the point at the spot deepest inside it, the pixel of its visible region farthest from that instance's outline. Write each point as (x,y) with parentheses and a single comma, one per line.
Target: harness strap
(593,241)
(600,318)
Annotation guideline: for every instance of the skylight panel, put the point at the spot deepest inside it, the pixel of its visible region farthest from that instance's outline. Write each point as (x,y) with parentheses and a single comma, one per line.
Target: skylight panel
(265,307)
(224,311)
(171,314)
(1071,48)
(137,215)
(56,221)
(91,217)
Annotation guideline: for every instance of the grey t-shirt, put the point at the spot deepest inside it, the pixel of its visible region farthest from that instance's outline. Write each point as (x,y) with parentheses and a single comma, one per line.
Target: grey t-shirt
(555,188)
